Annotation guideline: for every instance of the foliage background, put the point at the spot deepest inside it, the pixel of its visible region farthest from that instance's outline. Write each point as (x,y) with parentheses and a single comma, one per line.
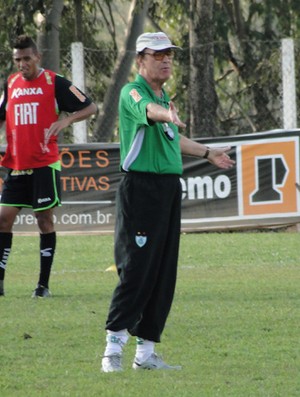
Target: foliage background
(246,50)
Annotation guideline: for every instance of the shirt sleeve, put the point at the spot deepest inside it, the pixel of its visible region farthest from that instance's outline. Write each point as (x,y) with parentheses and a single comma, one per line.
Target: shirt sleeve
(135,102)
(69,98)
(3,101)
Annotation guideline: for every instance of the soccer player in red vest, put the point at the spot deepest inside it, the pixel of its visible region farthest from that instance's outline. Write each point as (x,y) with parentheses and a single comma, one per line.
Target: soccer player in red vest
(30,106)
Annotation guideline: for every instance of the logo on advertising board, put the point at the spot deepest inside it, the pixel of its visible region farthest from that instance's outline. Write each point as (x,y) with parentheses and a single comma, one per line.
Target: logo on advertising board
(269,173)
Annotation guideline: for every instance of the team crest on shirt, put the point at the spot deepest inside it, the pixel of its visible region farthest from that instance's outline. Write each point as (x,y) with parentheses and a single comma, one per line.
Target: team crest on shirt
(140,239)
(135,95)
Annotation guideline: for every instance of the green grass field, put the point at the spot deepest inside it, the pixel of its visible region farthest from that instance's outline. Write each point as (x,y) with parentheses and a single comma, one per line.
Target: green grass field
(234,324)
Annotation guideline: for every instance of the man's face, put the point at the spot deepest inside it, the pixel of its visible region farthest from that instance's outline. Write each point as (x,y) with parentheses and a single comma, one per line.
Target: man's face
(27,62)
(157,65)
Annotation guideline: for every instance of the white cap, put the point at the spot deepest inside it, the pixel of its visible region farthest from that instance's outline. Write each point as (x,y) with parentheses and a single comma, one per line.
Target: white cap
(155,41)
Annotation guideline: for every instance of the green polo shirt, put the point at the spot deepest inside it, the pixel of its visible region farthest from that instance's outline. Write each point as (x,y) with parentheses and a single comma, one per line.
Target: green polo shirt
(146,146)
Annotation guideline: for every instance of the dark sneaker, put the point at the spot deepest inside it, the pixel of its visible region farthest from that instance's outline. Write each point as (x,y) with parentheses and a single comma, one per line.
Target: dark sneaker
(112,363)
(41,292)
(154,362)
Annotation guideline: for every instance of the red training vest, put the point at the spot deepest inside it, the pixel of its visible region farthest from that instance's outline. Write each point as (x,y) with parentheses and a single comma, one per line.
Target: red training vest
(30,110)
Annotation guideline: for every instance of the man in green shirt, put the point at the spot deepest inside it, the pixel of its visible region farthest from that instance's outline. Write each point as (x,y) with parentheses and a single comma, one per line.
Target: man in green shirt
(147,146)
(148,207)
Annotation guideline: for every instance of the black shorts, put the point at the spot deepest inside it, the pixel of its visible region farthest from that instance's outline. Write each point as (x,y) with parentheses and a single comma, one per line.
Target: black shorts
(37,188)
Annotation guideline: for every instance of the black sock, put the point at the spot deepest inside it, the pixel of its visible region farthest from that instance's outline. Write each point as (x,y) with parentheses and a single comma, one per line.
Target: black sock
(5,247)
(47,250)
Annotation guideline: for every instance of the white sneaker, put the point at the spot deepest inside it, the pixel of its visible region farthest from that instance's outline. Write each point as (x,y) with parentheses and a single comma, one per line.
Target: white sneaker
(112,363)
(154,362)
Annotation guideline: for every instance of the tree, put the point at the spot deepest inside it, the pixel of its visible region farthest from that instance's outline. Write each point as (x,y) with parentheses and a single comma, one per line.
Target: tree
(252,31)
(106,120)
(78,20)
(203,98)
(226,80)
(48,37)
(246,51)
(23,17)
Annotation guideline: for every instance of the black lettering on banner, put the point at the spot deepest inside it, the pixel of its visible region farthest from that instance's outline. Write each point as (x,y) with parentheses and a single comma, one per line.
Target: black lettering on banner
(271,173)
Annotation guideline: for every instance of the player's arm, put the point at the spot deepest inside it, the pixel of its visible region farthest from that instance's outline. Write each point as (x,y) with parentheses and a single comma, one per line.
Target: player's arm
(64,122)
(216,156)
(3,100)
(158,113)
(72,101)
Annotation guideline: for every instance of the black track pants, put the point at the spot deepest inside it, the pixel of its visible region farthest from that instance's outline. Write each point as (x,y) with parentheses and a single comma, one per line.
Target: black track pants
(147,235)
